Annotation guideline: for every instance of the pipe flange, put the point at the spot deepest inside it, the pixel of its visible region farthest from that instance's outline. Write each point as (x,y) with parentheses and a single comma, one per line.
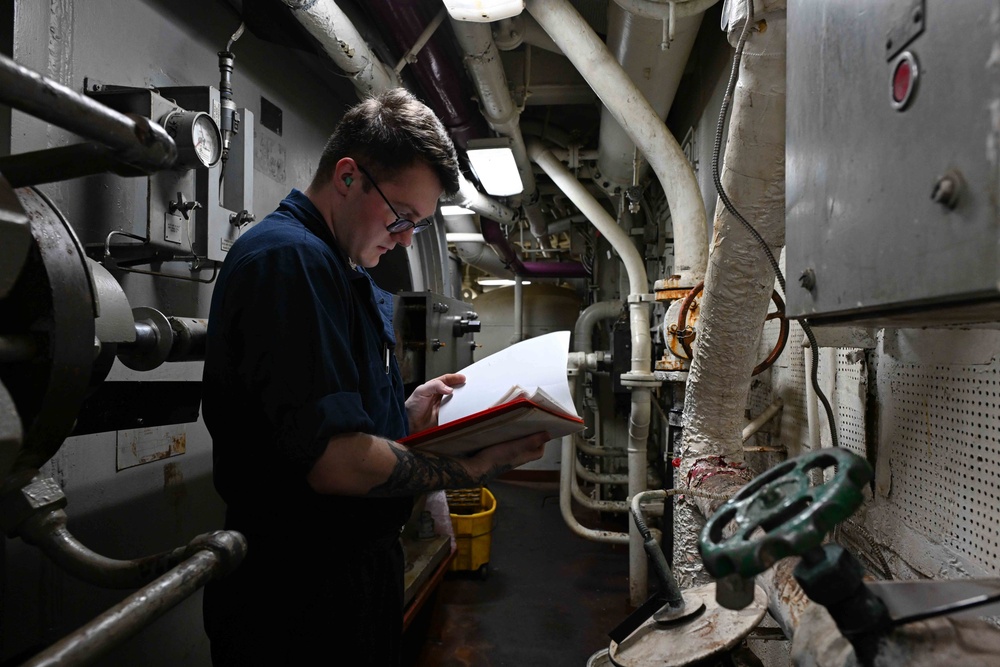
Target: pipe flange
(145,354)
(671,376)
(639,380)
(641,298)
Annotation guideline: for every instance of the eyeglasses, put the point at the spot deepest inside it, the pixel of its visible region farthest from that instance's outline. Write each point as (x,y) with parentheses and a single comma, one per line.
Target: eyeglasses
(401,224)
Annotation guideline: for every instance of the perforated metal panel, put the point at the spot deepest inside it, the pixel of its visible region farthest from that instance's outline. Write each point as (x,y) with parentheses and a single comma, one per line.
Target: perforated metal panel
(944,453)
(938,470)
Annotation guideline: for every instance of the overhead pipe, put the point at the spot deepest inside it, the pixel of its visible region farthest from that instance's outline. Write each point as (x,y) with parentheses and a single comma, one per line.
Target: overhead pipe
(342,42)
(434,68)
(482,61)
(639,378)
(496,237)
(473,252)
(620,96)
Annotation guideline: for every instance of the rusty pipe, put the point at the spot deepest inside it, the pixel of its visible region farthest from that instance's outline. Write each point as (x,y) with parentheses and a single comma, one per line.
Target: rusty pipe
(215,555)
(136,140)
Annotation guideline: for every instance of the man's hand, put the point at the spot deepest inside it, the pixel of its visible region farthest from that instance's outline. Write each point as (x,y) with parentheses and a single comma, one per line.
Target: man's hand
(498,459)
(423,404)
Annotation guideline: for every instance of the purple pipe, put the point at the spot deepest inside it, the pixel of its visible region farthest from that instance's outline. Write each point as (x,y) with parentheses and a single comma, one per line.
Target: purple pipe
(446,86)
(494,235)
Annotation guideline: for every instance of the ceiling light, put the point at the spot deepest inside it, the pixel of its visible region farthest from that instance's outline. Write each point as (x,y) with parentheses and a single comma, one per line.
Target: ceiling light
(483,11)
(493,162)
(449,211)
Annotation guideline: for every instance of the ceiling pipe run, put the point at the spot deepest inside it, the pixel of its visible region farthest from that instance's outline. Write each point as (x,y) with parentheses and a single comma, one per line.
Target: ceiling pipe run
(434,69)
(482,61)
(325,21)
(626,103)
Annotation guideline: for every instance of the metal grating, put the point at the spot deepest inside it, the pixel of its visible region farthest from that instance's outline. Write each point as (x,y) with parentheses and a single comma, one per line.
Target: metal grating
(945,455)
(852,389)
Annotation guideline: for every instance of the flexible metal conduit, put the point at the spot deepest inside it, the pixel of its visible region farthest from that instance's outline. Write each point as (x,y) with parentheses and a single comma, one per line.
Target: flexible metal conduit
(134,139)
(212,556)
(620,96)
(635,268)
(325,21)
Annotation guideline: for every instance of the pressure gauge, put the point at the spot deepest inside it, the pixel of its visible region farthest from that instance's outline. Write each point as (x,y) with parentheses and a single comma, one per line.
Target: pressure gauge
(199,142)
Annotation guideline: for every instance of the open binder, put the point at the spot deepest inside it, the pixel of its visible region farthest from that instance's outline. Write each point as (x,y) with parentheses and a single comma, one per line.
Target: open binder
(488,409)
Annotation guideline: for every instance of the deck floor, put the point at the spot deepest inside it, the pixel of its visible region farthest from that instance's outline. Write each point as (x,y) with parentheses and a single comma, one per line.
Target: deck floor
(549,598)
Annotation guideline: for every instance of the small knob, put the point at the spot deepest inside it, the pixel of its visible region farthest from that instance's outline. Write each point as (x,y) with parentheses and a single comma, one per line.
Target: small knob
(182,205)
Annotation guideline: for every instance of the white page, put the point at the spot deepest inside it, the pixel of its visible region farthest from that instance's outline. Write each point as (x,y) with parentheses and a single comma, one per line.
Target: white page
(533,363)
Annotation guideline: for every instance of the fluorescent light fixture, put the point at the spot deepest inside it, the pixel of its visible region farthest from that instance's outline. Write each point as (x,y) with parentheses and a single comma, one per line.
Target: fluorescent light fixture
(499,282)
(493,162)
(464,237)
(483,11)
(449,210)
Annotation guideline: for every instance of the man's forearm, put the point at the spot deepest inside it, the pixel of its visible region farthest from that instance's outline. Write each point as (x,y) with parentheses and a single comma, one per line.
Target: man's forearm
(416,472)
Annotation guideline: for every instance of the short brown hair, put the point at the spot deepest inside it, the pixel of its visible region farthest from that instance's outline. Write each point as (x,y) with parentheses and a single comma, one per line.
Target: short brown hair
(390,132)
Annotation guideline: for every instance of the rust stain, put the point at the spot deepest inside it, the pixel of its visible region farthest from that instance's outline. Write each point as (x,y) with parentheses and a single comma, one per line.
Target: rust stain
(172,475)
(178,443)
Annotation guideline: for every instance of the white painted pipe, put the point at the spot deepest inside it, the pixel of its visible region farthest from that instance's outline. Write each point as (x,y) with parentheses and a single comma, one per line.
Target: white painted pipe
(474,200)
(635,43)
(662,11)
(635,268)
(518,310)
(325,21)
(471,249)
(812,399)
(594,61)
(566,502)
(758,422)
(588,319)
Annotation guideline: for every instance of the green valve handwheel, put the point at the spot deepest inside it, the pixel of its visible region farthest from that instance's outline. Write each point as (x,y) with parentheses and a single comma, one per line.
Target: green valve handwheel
(793,515)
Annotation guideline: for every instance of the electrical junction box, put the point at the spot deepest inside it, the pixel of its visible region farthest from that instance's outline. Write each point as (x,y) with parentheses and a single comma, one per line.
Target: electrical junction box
(893,143)
(202,205)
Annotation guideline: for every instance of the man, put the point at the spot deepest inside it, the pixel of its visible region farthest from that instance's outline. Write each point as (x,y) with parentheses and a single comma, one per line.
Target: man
(303,398)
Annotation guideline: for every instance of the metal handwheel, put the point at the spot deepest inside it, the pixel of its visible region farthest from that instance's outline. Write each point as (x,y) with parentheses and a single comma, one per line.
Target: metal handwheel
(793,515)
(685,335)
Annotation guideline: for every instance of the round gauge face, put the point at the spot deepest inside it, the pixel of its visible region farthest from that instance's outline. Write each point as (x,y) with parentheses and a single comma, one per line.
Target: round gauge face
(206,139)
(199,142)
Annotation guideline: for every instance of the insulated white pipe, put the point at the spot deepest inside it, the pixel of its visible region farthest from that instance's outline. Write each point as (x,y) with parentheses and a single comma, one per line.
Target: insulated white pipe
(635,268)
(620,96)
(739,280)
(344,44)
(474,200)
(663,10)
(518,310)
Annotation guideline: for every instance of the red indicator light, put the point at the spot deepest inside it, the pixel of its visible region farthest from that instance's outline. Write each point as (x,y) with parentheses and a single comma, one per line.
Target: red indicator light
(901,81)
(904,81)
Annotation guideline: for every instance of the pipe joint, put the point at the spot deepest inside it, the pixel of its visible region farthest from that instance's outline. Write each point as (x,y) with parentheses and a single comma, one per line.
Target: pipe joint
(640,380)
(641,298)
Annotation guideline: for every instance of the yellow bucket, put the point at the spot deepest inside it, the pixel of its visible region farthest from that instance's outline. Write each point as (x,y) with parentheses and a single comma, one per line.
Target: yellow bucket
(471,512)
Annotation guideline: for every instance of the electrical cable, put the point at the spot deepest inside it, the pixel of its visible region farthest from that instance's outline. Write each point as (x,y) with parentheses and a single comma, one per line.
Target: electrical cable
(734,75)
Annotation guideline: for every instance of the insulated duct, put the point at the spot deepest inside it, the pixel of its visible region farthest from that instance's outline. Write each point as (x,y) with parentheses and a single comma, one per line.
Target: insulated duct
(325,21)
(738,283)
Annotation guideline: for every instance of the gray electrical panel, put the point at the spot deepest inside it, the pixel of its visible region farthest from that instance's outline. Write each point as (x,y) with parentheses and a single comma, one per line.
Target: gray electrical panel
(434,335)
(893,134)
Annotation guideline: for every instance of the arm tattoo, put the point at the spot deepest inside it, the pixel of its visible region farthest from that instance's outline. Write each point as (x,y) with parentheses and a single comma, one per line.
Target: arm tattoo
(416,472)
